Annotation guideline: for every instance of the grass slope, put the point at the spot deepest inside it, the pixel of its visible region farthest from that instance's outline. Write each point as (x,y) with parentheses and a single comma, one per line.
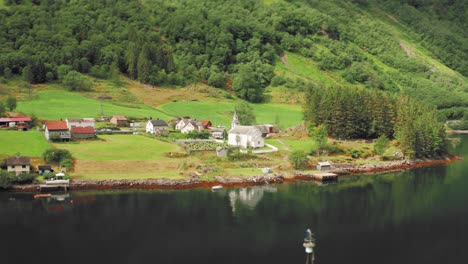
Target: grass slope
(220,113)
(30,143)
(63,104)
(125,157)
(119,147)
(294,66)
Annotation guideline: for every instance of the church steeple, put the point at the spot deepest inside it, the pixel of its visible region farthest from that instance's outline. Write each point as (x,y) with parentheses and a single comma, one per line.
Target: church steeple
(235,120)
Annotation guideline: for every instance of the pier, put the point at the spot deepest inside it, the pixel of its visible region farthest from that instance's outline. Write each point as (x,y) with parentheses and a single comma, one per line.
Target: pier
(319,176)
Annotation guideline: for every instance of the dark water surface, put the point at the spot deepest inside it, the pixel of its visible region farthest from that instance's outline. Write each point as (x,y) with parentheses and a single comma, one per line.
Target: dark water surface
(415,216)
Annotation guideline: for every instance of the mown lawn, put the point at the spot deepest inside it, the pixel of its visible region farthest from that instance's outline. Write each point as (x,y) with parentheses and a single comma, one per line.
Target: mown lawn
(293,144)
(220,113)
(119,147)
(26,143)
(63,104)
(126,157)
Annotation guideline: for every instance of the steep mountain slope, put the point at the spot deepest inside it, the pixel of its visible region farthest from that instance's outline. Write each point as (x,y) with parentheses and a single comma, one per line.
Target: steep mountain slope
(258,50)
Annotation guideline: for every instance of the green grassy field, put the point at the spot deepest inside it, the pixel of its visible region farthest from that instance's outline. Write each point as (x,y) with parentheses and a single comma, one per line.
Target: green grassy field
(63,104)
(119,147)
(220,113)
(125,157)
(299,66)
(293,144)
(30,143)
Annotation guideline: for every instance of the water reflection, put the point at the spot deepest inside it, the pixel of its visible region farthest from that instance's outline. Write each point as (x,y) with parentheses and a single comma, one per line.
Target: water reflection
(388,218)
(249,197)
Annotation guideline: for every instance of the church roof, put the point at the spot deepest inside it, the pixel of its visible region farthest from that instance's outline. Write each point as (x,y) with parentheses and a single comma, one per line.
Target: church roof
(245,130)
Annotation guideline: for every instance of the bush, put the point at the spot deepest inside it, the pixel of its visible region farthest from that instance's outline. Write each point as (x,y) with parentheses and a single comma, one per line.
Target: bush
(298,159)
(381,144)
(356,153)
(277,81)
(76,81)
(60,157)
(5,179)
(23,178)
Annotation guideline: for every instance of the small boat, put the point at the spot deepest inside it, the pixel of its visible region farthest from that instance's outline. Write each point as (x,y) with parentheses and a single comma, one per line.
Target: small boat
(216,187)
(42,195)
(59,179)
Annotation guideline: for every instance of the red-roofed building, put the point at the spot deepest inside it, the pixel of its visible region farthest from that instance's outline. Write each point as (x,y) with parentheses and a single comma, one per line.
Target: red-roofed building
(22,122)
(206,124)
(83,132)
(57,131)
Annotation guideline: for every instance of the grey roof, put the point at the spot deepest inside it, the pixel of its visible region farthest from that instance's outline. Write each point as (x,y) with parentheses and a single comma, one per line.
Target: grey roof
(18,160)
(324,163)
(264,129)
(245,130)
(158,122)
(44,167)
(196,123)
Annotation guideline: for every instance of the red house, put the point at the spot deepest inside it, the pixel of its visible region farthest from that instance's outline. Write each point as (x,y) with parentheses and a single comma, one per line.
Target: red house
(206,124)
(83,132)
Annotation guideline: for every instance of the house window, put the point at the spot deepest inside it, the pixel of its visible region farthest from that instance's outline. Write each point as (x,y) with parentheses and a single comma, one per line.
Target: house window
(24,166)
(259,142)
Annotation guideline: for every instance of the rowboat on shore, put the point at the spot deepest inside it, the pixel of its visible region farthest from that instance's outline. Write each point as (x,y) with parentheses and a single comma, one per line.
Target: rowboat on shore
(42,195)
(216,187)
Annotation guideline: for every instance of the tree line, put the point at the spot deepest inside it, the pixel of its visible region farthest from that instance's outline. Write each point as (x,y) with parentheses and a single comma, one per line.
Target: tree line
(350,113)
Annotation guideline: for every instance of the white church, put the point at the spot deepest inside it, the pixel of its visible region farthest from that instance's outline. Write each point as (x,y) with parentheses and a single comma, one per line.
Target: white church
(244,136)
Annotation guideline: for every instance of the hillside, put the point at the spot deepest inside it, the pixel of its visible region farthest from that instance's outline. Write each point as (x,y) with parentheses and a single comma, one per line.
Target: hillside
(260,51)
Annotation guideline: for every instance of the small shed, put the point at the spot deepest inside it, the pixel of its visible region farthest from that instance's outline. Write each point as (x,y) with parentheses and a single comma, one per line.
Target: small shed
(83,132)
(325,165)
(119,120)
(44,169)
(221,152)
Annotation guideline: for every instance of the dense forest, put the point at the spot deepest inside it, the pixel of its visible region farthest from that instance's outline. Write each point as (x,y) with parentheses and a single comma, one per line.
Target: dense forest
(234,44)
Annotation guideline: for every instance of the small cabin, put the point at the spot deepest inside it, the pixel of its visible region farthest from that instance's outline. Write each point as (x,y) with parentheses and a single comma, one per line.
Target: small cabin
(326,165)
(45,169)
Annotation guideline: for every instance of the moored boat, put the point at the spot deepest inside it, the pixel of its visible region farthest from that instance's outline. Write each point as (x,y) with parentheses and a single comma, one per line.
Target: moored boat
(216,187)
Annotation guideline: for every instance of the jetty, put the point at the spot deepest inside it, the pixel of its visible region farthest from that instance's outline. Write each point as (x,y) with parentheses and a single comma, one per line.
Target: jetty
(319,176)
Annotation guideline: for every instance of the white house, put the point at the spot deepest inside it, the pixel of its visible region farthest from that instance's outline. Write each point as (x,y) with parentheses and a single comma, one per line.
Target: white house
(182,123)
(18,164)
(246,137)
(192,125)
(80,122)
(157,126)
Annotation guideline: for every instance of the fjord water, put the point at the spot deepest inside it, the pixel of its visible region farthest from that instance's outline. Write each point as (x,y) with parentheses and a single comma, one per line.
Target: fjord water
(414,216)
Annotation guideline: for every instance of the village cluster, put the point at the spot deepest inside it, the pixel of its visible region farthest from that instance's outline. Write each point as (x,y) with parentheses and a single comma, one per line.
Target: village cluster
(85,128)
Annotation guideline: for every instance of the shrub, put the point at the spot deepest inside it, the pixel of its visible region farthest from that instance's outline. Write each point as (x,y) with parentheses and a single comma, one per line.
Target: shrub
(23,178)
(60,157)
(298,159)
(76,81)
(355,153)
(381,144)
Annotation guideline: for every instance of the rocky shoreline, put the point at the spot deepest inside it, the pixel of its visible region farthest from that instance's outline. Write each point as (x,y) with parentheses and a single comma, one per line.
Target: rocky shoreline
(339,169)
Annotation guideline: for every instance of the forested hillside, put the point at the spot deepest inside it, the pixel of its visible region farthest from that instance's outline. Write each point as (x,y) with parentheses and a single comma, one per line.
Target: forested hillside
(410,47)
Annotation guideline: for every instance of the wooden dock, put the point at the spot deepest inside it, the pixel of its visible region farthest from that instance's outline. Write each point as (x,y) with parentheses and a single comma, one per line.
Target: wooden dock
(325,176)
(53,187)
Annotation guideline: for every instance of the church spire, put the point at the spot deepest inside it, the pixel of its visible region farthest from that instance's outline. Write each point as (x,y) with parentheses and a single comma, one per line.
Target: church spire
(235,120)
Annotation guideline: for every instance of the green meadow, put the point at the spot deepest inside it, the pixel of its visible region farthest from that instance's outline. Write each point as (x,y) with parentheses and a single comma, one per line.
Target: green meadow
(220,113)
(63,104)
(119,147)
(26,143)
